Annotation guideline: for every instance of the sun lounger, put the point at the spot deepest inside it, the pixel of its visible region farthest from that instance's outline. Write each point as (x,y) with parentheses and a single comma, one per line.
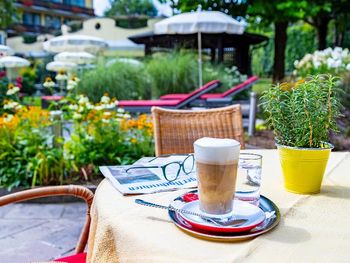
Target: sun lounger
(213,97)
(146,105)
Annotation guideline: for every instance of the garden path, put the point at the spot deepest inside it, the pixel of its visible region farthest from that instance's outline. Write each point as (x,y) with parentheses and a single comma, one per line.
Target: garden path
(35,232)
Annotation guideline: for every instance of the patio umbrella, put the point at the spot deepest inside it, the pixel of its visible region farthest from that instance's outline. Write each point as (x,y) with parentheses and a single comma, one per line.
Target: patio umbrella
(11,63)
(6,51)
(75,57)
(199,22)
(57,66)
(75,43)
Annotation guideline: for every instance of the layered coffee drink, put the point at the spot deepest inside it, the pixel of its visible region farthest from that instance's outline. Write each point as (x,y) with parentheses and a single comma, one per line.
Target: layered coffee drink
(216,164)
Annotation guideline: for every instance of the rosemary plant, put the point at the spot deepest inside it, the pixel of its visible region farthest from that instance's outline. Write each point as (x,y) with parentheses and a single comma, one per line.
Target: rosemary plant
(302,114)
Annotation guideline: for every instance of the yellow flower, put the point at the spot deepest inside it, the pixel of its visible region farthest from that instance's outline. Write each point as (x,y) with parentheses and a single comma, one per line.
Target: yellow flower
(133,141)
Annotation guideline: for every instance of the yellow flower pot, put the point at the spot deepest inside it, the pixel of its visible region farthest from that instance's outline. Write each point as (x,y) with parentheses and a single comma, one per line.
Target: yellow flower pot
(303,168)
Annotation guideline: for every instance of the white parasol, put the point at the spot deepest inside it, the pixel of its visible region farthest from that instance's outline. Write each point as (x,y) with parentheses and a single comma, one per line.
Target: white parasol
(199,22)
(6,51)
(75,57)
(57,66)
(75,43)
(12,63)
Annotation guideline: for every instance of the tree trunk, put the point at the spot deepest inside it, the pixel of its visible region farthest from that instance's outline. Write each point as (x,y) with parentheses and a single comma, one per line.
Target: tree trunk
(280,50)
(322,29)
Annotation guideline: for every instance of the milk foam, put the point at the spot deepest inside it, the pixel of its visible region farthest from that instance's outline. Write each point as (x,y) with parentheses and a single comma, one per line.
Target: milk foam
(215,150)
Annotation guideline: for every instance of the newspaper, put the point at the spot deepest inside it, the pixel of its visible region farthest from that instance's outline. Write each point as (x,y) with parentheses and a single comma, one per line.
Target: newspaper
(144,180)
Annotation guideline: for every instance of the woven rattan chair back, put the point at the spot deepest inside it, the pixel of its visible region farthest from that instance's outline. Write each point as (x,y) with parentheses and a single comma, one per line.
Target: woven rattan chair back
(72,190)
(176,130)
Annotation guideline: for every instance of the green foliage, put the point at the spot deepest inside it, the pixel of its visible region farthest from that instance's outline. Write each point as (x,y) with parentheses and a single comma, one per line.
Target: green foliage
(302,114)
(7,13)
(121,80)
(233,8)
(131,8)
(178,73)
(301,40)
(28,80)
(27,157)
(173,73)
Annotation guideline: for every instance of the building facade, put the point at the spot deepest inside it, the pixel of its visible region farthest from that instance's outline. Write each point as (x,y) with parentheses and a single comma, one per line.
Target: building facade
(45,16)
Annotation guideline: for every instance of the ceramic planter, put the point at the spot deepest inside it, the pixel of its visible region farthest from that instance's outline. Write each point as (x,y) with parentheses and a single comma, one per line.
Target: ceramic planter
(303,168)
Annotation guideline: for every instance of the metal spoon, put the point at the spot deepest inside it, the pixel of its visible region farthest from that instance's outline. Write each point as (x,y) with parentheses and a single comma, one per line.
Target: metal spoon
(231,222)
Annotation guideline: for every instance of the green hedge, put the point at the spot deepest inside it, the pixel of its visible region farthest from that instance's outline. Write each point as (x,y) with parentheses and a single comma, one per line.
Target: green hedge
(120,80)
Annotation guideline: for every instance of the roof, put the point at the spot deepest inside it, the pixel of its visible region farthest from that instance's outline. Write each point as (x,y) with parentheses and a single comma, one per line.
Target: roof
(190,40)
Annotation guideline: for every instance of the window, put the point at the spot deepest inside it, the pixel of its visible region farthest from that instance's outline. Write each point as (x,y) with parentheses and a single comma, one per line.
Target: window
(80,3)
(52,22)
(31,19)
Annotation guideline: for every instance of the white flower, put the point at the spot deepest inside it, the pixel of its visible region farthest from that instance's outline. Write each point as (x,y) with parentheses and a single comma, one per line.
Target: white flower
(18,107)
(12,91)
(80,109)
(11,105)
(83,99)
(330,62)
(8,118)
(110,105)
(99,107)
(70,87)
(77,116)
(61,77)
(73,107)
(49,84)
(295,72)
(105,120)
(120,110)
(105,99)
(317,63)
(296,63)
(89,106)
(338,49)
(337,63)
(348,67)
(107,113)
(127,116)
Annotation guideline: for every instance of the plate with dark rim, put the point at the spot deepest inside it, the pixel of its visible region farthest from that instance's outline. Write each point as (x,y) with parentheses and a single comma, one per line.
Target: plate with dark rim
(266,205)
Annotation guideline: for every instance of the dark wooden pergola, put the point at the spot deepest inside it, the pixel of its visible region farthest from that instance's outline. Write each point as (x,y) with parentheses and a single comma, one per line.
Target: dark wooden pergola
(217,43)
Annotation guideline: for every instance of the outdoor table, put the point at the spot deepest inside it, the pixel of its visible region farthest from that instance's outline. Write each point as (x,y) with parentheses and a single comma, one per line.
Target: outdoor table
(313,228)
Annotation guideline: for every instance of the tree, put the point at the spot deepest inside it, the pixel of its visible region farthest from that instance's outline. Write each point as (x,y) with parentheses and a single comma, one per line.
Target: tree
(7,11)
(131,8)
(233,8)
(321,12)
(280,13)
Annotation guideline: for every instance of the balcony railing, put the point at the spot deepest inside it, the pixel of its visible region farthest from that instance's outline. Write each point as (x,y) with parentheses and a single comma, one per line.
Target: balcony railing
(60,6)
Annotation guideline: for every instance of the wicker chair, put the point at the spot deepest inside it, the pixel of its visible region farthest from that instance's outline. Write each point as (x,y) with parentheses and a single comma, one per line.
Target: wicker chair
(72,190)
(176,130)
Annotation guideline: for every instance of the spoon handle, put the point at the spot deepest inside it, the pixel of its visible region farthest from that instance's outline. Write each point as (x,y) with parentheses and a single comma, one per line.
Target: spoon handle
(145,203)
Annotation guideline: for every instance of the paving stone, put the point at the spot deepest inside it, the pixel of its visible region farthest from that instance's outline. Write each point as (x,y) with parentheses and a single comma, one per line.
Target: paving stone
(5,209)
(13,226)
(74,210)
(35,211)
(24,251)
(34,232)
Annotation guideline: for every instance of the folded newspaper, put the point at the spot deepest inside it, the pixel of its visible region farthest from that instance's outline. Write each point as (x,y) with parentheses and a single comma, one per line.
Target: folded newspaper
(147,180)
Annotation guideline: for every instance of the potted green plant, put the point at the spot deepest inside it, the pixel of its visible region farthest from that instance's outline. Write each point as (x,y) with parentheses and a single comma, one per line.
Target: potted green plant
(302,115)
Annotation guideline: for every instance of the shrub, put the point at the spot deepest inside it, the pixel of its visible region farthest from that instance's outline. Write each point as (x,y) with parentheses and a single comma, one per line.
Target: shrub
(173,73)
(302,114)
(27,156)
(178,73)
(121,80)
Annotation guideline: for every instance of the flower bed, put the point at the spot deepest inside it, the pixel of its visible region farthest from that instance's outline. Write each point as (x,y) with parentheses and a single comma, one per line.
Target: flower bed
(34,152)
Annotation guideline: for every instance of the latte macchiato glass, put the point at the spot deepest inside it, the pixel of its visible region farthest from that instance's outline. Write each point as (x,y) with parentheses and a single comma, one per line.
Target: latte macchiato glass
(216,164)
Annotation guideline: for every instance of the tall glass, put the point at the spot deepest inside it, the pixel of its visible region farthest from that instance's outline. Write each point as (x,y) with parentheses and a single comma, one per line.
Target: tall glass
(216,166)
(249,177)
